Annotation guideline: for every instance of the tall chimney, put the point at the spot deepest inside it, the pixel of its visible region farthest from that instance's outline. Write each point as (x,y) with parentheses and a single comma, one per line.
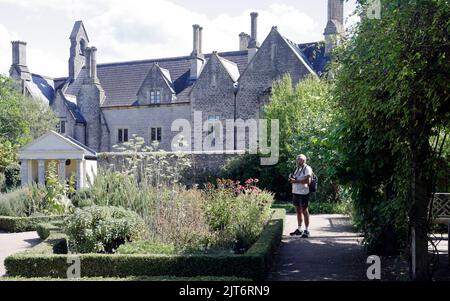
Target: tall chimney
(90,54)
(335,25)
(87,63)
(243,41)
(253,44)
(93,74)
(19,68)
(336,10)
(19,53)
(200,40)
(254,31)
(197,58)
(196,39)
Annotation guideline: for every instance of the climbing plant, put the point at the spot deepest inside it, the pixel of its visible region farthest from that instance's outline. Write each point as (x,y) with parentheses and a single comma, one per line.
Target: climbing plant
(392,88)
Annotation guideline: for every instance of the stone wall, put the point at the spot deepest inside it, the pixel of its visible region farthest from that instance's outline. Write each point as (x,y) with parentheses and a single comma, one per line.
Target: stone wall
(139,120)
(205,166)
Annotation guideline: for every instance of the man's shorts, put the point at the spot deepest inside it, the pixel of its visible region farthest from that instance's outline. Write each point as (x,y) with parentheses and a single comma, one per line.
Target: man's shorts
(300,200)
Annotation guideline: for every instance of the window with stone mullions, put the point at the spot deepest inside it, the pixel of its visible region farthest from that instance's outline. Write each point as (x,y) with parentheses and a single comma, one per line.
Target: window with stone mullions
(61,126)
(213,127)
(156,134)
(155,96)
(122,135)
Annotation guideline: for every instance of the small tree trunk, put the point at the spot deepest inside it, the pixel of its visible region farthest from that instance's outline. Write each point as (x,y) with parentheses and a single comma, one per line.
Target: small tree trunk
(420,196)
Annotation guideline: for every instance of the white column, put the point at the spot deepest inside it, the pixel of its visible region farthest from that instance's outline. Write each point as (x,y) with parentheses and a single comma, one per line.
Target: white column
(30,172)
(62,171)
(41,172)
(80,174)
(24,172)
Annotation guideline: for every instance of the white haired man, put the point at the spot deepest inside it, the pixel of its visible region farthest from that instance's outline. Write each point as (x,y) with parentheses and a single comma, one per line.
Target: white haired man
(300,180)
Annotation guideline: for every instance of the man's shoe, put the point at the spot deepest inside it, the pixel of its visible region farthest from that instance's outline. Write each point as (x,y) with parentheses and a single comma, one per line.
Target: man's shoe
(296,233)
(305,234)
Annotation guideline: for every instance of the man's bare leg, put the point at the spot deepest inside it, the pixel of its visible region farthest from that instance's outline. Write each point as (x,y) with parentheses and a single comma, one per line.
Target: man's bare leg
(305,212)
(299,216)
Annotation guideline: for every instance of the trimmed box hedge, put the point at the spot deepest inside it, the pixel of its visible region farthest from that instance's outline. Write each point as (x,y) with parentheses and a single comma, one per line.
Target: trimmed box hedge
(254,264)
(24,224)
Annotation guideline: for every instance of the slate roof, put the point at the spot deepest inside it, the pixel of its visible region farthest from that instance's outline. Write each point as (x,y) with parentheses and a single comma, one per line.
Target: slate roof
(315,53)
(41,87)
(121,81)
(90,150)
(231,68)
(74,111)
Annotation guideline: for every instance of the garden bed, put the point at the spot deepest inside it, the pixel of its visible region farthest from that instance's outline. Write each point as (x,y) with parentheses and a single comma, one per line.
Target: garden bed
(23,224)
(41,261)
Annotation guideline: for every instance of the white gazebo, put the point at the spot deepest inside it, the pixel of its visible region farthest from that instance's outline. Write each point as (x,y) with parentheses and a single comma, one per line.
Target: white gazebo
(72,158)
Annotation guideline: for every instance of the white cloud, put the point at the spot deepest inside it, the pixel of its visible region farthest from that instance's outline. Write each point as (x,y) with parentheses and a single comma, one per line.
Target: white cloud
(5,49)
(134,29)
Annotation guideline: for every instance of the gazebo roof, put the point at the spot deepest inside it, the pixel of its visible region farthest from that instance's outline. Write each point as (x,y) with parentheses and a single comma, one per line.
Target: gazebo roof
(53,146)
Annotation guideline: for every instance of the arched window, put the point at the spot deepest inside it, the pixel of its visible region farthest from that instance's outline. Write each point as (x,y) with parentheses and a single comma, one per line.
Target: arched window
(82,46)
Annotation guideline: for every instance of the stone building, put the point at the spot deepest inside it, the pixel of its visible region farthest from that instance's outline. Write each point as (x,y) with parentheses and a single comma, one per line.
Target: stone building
(102,105)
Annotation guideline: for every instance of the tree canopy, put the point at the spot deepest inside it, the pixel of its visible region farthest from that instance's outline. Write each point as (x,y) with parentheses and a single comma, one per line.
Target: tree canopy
(391,84)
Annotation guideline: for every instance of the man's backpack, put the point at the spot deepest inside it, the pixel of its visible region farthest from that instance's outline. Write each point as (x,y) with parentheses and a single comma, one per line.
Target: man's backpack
(314,181)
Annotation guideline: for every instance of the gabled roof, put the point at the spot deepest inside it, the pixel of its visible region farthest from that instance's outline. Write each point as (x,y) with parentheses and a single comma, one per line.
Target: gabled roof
(121,81)
(55,146)
(76,28)
(299,53)
(165,75)
(230,67)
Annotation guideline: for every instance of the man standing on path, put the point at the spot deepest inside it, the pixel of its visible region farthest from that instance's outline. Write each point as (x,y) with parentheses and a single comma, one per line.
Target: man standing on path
(300,180)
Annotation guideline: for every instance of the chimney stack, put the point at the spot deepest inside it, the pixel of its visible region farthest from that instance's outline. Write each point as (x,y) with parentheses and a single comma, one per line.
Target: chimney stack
(335,25)
(243,41)
(19,53)
(196,40)
(93,74)
(200,40)
(19,68)
(90,54)
(197,57)
(253,44)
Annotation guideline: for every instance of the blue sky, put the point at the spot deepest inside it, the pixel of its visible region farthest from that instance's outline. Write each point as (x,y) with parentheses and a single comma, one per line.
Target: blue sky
(138,29)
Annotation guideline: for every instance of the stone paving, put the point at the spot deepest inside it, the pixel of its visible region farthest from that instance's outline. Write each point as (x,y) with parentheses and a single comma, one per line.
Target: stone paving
(332,252)
(11,243)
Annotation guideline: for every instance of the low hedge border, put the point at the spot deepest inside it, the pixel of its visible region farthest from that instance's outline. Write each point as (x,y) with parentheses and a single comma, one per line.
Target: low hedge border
(24,224)
(44,229)
(254,264)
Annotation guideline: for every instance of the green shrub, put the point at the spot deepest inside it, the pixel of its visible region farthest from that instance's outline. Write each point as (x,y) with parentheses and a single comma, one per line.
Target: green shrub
(254,264)
(12,176)
(2,182)
(146,247)
(238,213)
(23,224)
(102,229)
(15,203)
(33,200)
(45,229)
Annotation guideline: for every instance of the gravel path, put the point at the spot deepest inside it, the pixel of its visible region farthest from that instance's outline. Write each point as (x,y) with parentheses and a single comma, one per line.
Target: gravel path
(11,243)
